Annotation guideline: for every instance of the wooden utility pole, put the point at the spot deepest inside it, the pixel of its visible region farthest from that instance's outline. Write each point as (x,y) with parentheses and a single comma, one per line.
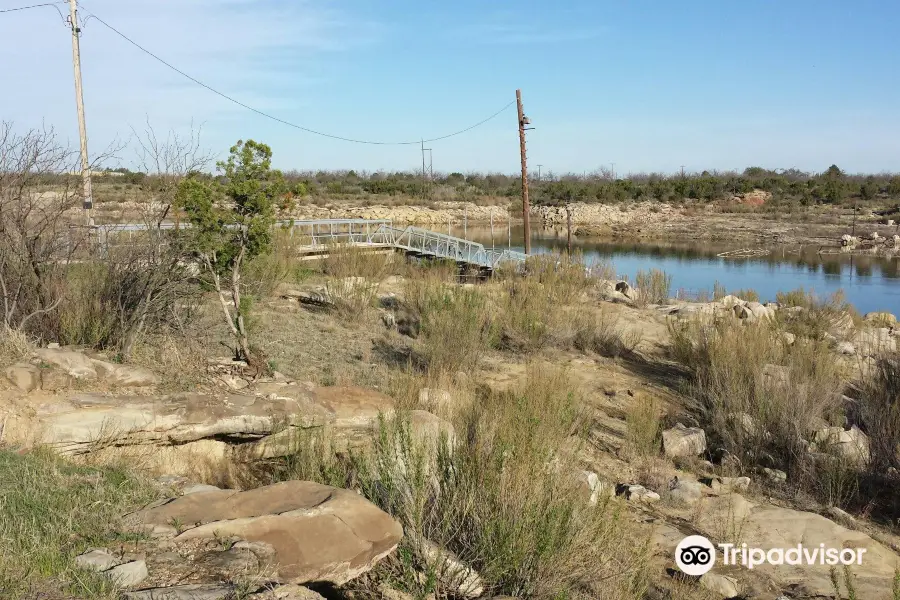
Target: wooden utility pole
(526,206)
(79,101)
(569,227)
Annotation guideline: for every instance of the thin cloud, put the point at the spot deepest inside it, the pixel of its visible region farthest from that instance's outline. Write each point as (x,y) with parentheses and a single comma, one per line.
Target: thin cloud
(503,29)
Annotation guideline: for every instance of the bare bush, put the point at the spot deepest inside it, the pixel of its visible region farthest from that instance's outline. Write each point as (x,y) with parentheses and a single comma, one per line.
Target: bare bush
(653,287)
(37,236)
(881,413)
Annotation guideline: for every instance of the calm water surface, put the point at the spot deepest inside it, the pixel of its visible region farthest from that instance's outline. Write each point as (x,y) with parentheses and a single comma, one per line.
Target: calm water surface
(871,283)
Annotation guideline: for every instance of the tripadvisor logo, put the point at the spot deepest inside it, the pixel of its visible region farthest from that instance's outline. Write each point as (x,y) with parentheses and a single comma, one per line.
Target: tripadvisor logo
(696,555)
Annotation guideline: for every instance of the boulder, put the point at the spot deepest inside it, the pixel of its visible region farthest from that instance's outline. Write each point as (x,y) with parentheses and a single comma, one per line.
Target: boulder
(852,444)
(624,288)
(124,375)
(97,559)
(681,441)
(462,579)
(73,363)
(24,376)
(79,366)
(129,574)
(724,586)
(593,489)
(287,592)
(742,312)
(760,312)
(733,519)
(636,493)
(731,301)
(317,532)
(775,475)
(686,491)
(726,485)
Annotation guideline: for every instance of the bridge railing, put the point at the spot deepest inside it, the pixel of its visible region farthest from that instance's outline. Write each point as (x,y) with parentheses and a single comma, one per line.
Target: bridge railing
(321,233)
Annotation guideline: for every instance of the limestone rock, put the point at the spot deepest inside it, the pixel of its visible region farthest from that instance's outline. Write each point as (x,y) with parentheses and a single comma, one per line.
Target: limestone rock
(759,311)
(636,493)
(852,444)
(98,559)
(199,488)
(129,574)
(727,587)
(453,573)
(124,375)
(765,526)
(775,475)
(73,363)
(729,484)
(681,441)
(24,376)
(686,491)
(77,424)
(318,533)
(731,301)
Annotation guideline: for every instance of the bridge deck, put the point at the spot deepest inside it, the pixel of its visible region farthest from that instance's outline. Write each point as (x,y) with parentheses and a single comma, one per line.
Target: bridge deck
(367,233)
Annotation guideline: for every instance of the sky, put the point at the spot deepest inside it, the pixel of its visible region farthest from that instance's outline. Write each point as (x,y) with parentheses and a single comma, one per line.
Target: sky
(648,86)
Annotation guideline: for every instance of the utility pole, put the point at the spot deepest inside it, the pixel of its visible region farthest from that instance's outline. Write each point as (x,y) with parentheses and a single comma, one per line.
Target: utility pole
(682,171)
(79,101)
(526,207)
(539,172)
(613,165)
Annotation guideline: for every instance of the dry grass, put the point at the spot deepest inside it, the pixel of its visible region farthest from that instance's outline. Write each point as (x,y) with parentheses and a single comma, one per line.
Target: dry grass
(54,512)
(653,287)
(14,347)
(265,272)
(760,398)
(820,316)
(353,275)
(644,428)
(880,408)
(493,500)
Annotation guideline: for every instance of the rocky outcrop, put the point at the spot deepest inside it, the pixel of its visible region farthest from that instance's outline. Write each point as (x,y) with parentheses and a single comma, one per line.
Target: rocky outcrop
(53,368)
(181,431)
(304,531)
(732,519)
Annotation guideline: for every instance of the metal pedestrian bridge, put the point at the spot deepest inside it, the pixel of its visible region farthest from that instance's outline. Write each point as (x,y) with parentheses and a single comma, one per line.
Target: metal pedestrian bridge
(316,237)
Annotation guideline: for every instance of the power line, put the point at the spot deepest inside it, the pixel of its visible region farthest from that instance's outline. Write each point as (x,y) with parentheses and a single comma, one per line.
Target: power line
(282,121)
(7,10)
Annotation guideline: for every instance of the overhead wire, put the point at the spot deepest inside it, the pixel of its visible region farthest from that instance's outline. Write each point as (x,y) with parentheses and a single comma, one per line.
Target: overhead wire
(288,123)
(8,10)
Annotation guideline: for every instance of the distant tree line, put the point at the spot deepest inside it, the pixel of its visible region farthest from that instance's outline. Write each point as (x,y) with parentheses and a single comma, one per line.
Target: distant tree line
(787,186)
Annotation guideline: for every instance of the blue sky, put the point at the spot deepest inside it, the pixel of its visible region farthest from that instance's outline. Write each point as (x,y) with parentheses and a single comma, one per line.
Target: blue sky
(647,85)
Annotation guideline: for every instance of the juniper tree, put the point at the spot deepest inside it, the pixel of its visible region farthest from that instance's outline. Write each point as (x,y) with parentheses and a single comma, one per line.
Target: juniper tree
(232,217)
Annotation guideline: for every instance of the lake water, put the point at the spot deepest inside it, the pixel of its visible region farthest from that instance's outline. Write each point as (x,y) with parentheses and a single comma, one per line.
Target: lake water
(871,283)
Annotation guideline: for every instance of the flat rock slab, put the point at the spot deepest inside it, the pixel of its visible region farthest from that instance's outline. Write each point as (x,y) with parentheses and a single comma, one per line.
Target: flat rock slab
(766,526)
(318,533)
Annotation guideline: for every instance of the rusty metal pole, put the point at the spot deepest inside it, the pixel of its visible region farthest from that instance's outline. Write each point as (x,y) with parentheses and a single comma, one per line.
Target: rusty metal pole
(526,207)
